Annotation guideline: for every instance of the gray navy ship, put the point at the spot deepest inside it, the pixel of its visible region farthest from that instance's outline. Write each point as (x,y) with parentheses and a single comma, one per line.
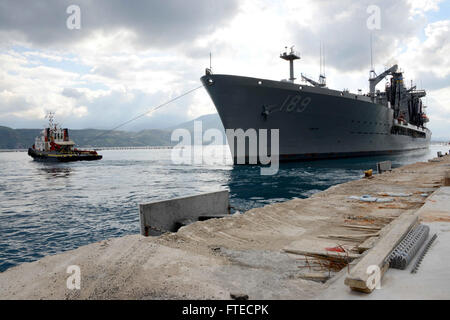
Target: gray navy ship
(316,122)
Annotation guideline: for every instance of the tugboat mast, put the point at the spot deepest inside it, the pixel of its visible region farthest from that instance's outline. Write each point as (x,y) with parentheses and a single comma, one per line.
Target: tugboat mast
(291,56)
(51,118)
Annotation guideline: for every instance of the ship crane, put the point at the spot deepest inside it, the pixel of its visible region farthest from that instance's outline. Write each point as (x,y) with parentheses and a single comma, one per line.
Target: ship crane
(315,83)
(376,79)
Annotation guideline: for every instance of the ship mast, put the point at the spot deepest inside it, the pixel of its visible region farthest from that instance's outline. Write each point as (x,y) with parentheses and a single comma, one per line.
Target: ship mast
(322,76)
(51,118)
(291,56)
(372,70)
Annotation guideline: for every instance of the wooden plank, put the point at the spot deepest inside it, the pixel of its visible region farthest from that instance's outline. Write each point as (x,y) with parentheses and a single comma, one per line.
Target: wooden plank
(350,237)
(355,226)
(314,276)
(353,236)
(324,254)
(366,245)
(358,277)
(352,240)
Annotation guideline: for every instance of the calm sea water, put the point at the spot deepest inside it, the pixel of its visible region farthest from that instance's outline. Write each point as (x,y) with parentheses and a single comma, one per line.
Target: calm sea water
(49,208)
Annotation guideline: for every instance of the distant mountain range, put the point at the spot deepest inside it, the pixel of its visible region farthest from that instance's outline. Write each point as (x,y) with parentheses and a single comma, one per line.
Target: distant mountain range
(24,138)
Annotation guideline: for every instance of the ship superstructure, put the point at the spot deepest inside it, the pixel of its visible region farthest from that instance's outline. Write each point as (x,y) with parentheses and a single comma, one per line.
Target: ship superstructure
(316,122)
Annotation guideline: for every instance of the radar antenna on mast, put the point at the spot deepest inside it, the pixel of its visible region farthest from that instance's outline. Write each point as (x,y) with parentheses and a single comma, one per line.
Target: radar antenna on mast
(51,118)
(208,71)
(322,76)
(291,56)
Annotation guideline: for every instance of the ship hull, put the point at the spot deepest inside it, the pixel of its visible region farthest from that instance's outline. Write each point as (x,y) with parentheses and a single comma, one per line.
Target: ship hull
(59,157)
(313,123)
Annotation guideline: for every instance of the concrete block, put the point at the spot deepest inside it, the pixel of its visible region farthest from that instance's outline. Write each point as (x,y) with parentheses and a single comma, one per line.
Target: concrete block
(447,179)
(384,166)
(165,216)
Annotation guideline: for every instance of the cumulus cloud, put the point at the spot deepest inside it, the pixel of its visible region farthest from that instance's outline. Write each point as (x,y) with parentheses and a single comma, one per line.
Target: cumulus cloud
(130,56)
(150,23)
(72,93)
(431,57)
(342,27)
(420,7)
(121,62)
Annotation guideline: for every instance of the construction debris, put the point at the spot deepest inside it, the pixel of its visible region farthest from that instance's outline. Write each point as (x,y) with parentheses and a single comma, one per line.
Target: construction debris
(315,276)
(322,264)
(239,296)
(335,256)
(356,226)
(378,221)
(393,194)
(336,249)
(369,198)
(349,237)
(367,244)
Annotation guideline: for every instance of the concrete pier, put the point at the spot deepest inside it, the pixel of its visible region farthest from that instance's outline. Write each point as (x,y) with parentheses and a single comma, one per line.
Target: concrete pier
(266,253)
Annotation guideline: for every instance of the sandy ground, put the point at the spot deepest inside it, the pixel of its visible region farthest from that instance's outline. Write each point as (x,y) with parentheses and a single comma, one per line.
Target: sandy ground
(237,254)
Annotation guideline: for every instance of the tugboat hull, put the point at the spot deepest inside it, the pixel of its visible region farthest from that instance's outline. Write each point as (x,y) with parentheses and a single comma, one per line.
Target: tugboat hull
(60,157)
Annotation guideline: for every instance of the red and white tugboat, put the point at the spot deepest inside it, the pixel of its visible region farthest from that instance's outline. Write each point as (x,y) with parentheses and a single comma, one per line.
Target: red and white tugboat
(54,145)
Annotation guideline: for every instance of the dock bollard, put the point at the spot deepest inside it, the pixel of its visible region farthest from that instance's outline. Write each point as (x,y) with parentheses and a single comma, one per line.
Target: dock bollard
(368,174)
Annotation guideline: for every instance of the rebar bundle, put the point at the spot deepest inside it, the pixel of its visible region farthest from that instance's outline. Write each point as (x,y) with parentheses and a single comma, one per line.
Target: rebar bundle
(404,253)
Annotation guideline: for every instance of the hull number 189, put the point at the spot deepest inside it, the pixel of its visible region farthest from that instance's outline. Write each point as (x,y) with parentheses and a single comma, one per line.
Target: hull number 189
(295,104)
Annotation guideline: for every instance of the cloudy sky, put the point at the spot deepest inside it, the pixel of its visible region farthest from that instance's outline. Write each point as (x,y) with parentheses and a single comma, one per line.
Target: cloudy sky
(129,56)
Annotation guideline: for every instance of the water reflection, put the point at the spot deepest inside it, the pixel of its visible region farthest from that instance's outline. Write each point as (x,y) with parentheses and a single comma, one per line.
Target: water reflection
(51,171)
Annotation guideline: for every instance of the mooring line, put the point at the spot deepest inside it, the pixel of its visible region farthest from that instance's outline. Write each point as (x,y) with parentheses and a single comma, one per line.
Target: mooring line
(148,112)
